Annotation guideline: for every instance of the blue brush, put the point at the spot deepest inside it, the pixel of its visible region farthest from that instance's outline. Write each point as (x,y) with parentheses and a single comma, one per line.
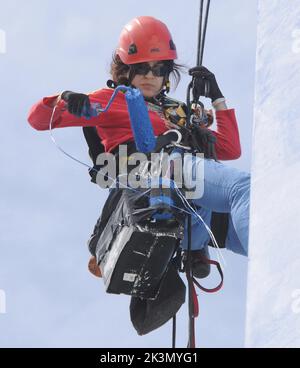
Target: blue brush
(140,122)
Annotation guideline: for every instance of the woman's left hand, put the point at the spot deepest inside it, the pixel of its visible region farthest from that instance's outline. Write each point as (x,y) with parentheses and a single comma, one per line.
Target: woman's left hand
(202,76)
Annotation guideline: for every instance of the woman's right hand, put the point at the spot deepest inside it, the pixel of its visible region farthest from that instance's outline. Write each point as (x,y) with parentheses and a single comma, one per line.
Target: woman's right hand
(77,103)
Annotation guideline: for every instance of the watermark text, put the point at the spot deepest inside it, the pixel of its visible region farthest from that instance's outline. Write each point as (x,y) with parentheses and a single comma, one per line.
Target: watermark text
(155,170)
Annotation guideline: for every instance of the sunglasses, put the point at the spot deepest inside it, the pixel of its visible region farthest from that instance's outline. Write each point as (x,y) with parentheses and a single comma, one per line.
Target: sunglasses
(158,70)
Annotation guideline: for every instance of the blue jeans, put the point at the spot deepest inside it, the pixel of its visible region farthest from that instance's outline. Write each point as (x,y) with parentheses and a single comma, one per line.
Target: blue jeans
(226,190)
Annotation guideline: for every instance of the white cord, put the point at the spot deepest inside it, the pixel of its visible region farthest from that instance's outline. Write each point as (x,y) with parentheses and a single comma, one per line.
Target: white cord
(59,147)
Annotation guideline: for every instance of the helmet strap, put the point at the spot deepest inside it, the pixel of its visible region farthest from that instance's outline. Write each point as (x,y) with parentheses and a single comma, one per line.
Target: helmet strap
(167,85)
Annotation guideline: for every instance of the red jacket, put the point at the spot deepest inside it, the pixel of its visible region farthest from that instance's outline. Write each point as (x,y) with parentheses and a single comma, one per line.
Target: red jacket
(114,125)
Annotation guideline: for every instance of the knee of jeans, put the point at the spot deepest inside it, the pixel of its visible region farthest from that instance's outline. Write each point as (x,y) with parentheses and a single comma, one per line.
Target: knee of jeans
(241,186)
(244,180)
(237,248)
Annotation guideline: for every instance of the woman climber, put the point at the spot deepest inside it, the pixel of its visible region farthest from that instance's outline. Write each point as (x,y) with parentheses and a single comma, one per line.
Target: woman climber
(145,59)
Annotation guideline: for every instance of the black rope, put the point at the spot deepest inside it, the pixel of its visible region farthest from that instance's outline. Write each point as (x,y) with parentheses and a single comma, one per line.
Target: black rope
(200,51)
(201,38)
(191,342)
(199,48)
(174,333)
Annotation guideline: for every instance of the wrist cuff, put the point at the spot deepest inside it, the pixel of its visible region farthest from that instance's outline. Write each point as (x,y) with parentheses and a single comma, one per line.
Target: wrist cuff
(218,101)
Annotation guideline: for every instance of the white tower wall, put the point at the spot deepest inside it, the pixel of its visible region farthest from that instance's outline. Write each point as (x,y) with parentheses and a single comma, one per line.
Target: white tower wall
(273,301)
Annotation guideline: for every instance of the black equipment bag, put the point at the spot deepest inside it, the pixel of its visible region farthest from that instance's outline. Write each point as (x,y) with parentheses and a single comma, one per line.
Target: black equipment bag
(133,249)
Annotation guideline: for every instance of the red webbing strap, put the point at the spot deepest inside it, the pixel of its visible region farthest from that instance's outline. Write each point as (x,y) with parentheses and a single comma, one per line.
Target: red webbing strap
(217,288)
(192,340)
(195,302)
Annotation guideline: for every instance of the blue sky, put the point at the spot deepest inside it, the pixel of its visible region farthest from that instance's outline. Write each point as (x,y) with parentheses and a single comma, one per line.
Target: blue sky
(49,207)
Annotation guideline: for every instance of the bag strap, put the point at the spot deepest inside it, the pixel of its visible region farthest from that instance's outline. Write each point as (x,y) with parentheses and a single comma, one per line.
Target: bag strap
(94,142)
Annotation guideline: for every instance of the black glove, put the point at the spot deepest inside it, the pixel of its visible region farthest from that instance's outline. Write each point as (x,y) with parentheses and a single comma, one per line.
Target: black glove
(202,76)
(78,103)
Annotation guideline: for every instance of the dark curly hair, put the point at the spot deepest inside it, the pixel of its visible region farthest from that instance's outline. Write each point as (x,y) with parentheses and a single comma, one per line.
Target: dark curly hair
(118,70)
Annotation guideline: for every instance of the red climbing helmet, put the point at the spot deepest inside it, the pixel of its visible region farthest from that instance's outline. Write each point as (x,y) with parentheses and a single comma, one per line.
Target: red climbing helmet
(145,39)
